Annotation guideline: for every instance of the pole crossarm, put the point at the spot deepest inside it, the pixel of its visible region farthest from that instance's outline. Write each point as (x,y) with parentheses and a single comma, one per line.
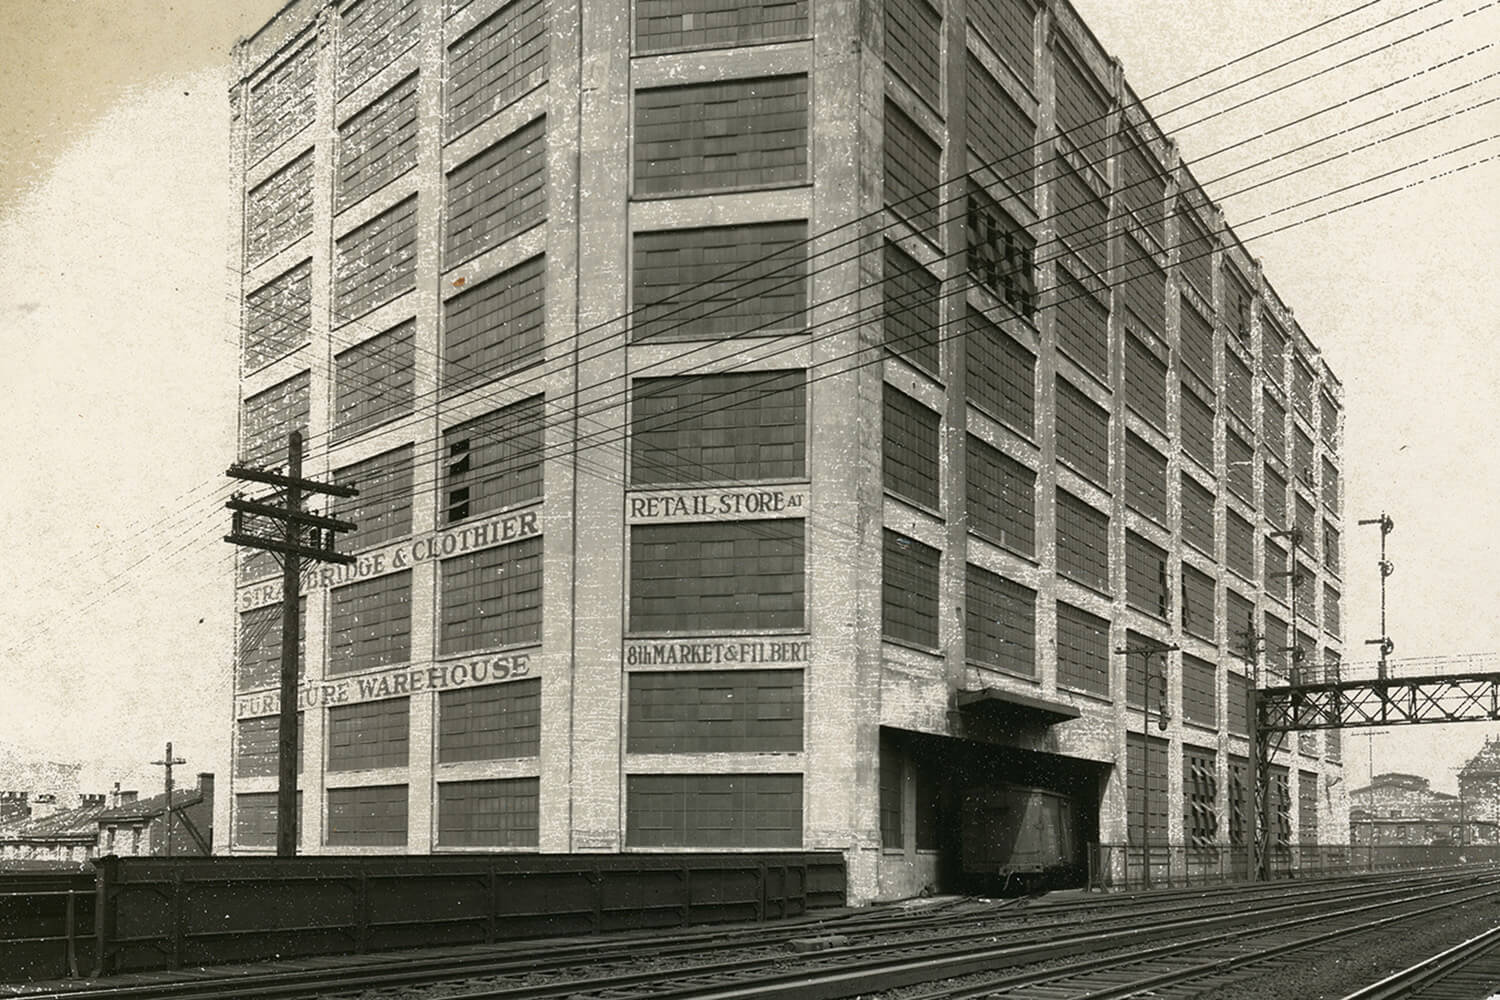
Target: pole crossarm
(282,514)
(255,541)
(1471,697)
(238,471)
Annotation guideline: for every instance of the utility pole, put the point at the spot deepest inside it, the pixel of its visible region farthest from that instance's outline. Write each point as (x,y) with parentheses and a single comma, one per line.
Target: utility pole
(1164,715)
(297,527)
(167,761)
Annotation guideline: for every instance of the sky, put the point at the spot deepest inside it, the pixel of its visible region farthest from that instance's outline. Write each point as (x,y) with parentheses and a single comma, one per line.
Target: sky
(119,361)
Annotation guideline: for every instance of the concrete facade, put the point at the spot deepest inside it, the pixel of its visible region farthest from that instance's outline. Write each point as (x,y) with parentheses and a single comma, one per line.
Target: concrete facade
(881,79)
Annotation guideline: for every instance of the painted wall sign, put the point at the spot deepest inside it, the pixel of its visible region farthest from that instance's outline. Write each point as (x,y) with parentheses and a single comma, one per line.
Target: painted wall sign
(403,555)
(712,652)
(391,684)
(717,505)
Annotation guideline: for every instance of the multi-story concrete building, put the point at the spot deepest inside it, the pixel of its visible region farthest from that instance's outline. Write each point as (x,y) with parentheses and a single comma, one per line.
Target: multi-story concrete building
(771,419)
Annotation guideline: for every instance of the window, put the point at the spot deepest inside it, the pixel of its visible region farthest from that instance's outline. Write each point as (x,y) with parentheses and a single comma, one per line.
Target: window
(1000,623)
(1082,434)
(383,508)
(1239,394)
(1200,692)
(1000,254)
(1082,219)
(719,428)
(713,810)
(1275,505)
(1307,807)
(1328,425)
(497,194)
(1302,458)
(491,813)
(258,747)
(909,589)
(495,327)
(279,209)
(1334,747)
(721,136)
(1239,545)
(1302,391)
(1146,577)
(1145,479)
(1330,547)
(1142,184)
(1273,350)
(255,819)
(715,576)
(371,816)
(1082,651)
(1277,577)
(270,416)
(1278,643)
(1082,542)
(1242,633)
(1198,516)
(1001,502)
(1330,485)
(701,24)
(1238,709)
(282,103)
(911,171)
(278,317)
(376,262)
(492,598)
(1082,109)
(1237,301)
(1143,286)
(1239,799)
(1145,676)
(494,461)
(370,623)
(1331,610)
(1197,428)
(1145,382)
(1007,25)
(370,734)
(1197,342)
(1146,799)
(1307,523)
(1200,786)
(910,297)
(504,57)
(912,45)
(492,722)
(1200,616)
(1000,133)
(892,785)
(260,647)
(1239,461)
(377,144)
(1083,327)
(374,381)
(911,447)
(715,711)
(372,34)
(1001,375)
(1197,249)
(722,281)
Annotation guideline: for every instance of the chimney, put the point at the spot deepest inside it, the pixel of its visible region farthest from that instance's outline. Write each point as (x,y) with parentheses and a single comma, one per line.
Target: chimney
(87,801)
(114,796)
(206,786)
(43,806)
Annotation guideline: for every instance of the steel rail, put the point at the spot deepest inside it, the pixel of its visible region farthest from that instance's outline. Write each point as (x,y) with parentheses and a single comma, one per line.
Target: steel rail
(1414,980)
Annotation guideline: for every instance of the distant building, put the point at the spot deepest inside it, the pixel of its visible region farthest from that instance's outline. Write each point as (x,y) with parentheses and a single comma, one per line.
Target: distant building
(27,779)
(1479,782)
(1402,809)
(125,825)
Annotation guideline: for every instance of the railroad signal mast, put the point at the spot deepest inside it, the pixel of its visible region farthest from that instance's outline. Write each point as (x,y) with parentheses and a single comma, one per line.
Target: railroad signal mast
(301,535)
(1163,718)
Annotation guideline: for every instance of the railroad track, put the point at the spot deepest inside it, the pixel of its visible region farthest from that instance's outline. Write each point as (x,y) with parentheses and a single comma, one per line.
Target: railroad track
(866,951)
(1467,971)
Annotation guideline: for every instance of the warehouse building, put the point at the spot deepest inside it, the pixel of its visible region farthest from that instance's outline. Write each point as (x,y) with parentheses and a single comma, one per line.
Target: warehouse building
(770,419)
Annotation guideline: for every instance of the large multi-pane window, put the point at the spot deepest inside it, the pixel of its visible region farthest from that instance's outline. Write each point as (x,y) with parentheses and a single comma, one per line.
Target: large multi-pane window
(909,316)
(1275,503)
(1307,806)
(492,812)
(1197,515)
(1143,286)
(1144,674)
(1082,221)
(1000,376)
(370,623)
(735,428)
(668,25)
(999,623)
(1239,461)
(278,210)
(1082,107)
(1239,545)
(367,816)
(1196,249)
(1000,255)
(721,135)
(1082,434)
(1278,580)
(1239,613)
(1197,428)
(1083,327)
(1142,184)
(1273,350)
(497,193)
(491,722)
(1239,394)
(1082,651)
(1331,620)
(1007,26)
(495,327)
(713,810)
(377,144)
(1082,542)
(498,61)
(716,576)
(255,819)
(1328,423)
(715,711)
(912,45)
(282,102)
(1273,425)
(494,461)
(492,598)
(1146,587)
(1302,387)
(260,647)
(382,510)
(1237,711)
(1200,784)
(1145,479)
(1197,343)
(1146,798)
(373,381)
(257,751)
(376,262)
(720,281)
(370,734)
(278,317)
(1277,645)
(909,590)
(1145,382)
(1330,485)
(1001,498)
(910,449)
(911,171)
(372,33)
(1237,301)
(1330,547)
(1199,612)
(270,416)
(1001,135)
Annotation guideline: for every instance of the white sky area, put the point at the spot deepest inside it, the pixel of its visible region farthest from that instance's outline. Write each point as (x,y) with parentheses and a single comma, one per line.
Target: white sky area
(119,356)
